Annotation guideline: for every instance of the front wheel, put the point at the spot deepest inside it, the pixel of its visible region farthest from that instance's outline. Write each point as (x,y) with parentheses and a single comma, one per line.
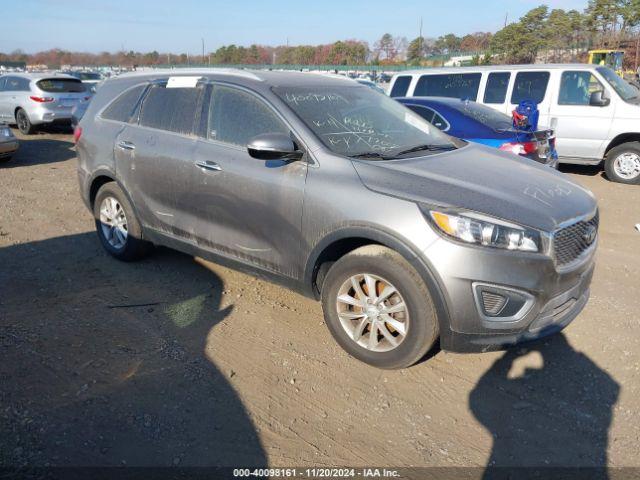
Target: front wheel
(378,308)
(24,124)
(623,163)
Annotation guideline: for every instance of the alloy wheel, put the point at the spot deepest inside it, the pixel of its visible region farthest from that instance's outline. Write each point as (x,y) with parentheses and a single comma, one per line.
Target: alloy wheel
(372,312)
(113,222)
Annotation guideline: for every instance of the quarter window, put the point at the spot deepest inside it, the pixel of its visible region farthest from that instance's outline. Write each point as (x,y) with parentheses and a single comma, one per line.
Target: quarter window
(236,117)
(122,108)
(400,86)
(3,81)
(455,85)
(430,116)
(171,109)
(530,86)
(576,88)
(496,89)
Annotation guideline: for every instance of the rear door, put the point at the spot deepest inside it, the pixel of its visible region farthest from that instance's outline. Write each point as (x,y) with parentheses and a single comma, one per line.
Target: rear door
(246,208)
(154,157)
(581,128)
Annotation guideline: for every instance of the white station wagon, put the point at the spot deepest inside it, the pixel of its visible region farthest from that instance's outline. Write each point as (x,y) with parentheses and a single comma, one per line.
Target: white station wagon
(595,114)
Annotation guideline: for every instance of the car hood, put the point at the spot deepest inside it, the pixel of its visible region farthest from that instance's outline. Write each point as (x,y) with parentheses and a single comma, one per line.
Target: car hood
(483,180)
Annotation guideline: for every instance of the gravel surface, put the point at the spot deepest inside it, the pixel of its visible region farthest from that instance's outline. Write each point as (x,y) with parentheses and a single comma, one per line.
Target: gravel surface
(178,361)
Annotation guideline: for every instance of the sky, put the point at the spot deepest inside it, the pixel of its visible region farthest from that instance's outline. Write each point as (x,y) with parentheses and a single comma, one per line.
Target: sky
(178,26)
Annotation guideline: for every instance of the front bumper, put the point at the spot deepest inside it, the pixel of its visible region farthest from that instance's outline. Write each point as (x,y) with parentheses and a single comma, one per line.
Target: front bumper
(557,296)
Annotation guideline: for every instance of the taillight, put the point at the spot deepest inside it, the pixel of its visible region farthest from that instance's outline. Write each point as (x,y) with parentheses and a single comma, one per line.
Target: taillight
(522,148)
(41,99)
(77,133)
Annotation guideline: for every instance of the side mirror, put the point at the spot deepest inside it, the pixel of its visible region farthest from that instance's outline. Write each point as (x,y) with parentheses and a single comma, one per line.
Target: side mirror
(597,99)
(273,146)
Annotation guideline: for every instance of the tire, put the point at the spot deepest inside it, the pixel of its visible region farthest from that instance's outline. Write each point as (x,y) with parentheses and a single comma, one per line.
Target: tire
(622,163)
(121,237)
(418,319)
(23,122)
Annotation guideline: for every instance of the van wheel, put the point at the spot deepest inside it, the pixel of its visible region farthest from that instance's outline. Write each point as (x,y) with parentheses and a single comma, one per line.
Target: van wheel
(118,228)
(23,122)
(378,308)
(623,163)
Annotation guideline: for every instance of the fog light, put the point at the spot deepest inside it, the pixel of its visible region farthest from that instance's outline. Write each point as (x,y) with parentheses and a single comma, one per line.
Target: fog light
(501,304)
(493,303)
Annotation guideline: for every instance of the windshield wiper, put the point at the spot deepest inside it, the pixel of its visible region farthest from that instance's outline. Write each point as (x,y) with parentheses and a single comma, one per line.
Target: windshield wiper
(371,155)
(432,147)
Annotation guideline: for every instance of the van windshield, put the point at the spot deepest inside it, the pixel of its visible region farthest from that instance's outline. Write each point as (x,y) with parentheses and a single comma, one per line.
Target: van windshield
(627,91)
(359,122)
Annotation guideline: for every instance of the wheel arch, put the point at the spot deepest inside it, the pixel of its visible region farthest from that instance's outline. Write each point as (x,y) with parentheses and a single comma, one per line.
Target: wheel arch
(340,242)
(622,138)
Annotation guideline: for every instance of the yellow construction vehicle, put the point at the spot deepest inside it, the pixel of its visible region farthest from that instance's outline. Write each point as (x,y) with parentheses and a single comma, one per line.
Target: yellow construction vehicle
(609,58)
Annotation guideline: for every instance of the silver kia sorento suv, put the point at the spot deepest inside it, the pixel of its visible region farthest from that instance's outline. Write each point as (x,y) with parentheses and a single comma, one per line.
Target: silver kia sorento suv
(406,234)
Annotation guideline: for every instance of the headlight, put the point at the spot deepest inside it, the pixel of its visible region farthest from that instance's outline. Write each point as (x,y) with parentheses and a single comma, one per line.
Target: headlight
(480,230)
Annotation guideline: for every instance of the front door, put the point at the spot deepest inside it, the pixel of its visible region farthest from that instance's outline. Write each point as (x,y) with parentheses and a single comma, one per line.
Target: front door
(243,207)
(581,128)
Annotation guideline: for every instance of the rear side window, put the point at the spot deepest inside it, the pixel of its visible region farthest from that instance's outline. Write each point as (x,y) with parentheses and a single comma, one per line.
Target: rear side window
(496,89)
(400,86)
(454,85)
(171,109)
(530,86)
(122,108)
(236,117)
(61,85)
(17,84)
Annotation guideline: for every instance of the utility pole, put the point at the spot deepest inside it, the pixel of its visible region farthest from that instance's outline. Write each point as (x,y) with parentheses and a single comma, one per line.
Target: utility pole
(202,50)
(506,17)
(420,52)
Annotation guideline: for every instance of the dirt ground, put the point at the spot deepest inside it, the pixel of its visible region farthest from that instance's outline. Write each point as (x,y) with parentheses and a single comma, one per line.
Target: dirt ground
(177,361)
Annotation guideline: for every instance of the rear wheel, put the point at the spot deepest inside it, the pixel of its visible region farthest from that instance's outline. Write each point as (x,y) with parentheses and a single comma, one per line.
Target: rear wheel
(23,122)
(378,308)
(117,226)
(623,163)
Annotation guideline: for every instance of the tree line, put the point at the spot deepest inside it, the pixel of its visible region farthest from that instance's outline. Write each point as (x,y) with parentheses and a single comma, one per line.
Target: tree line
(603,23)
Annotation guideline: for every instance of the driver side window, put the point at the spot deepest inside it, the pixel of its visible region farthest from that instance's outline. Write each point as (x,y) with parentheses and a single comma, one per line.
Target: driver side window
(576,88)
(236,116)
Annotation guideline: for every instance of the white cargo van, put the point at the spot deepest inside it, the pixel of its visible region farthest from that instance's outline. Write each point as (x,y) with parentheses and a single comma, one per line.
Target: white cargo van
(596,114)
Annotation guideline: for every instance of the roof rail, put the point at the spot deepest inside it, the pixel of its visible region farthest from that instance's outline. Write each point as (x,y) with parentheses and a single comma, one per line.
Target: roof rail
(195,71)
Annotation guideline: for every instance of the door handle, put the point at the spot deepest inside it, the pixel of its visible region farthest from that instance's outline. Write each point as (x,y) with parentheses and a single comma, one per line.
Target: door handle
(124,145)
(209,165)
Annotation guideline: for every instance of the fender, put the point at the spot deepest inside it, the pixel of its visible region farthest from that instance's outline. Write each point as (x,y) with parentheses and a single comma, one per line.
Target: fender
(380,235)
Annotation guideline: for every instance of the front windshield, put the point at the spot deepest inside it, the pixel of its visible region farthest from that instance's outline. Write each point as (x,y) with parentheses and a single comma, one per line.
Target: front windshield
(622,88)
(357,121)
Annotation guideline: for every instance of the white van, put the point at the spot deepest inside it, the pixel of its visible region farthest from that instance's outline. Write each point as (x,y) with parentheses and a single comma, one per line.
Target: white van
(596,114)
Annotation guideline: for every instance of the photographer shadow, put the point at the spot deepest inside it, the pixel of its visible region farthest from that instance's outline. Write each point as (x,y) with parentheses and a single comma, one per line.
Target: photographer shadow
(556,414)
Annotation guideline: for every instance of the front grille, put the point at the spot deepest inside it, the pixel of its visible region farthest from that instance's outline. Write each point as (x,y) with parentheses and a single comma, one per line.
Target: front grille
(570,242)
